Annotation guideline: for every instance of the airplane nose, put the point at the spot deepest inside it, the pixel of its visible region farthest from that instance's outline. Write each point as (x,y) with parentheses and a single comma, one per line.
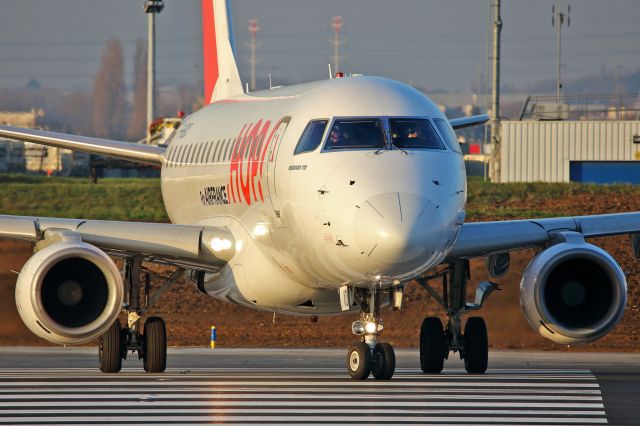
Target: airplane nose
(398,228)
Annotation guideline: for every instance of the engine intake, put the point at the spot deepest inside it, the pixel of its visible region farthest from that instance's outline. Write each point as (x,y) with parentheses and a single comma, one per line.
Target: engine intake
(573,293)
(69,293)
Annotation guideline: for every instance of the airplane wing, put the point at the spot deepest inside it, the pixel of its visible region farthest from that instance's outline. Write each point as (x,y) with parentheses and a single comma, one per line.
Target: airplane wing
(146,154)
(194,246)
(475,120)
(482,238)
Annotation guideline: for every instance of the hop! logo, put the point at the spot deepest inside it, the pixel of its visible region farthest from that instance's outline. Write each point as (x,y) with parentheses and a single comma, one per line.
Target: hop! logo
(247,161)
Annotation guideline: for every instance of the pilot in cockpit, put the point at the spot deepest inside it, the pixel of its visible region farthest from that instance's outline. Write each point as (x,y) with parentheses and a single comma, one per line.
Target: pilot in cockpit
(408,136)
(334,136)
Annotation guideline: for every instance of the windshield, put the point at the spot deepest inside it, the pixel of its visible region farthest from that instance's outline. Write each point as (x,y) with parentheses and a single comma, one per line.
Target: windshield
(311,137)
(448,134)
(355,134)
(414,133)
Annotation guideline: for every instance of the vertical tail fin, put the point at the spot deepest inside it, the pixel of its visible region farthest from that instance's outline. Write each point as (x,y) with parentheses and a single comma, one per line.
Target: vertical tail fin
(221,77)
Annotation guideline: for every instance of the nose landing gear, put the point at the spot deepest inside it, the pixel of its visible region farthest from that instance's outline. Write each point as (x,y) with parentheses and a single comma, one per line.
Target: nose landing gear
(436,342)
(369,356)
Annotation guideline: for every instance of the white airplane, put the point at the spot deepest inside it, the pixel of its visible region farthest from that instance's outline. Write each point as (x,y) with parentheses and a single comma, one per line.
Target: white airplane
(313,199)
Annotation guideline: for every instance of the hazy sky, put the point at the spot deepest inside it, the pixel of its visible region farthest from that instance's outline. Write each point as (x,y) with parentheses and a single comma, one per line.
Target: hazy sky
(435,44)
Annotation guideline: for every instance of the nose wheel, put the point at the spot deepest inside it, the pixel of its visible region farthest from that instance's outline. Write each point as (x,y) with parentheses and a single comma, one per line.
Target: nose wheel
(363,361)
(359,361)
(369,356)
(384,361)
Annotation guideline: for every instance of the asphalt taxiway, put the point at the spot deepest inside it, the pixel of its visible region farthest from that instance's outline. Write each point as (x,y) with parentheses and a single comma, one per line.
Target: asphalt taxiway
(307,386)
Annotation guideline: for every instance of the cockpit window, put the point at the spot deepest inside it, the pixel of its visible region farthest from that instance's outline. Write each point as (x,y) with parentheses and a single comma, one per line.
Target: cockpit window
(356,134)
(448,134)
(311,137)
(414,133)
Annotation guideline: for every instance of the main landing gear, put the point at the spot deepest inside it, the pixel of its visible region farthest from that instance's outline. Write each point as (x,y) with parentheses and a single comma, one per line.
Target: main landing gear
(151,343)
(369,356)
(436,342)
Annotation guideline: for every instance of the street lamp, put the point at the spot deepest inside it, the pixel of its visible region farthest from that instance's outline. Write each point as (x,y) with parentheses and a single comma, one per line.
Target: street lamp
(151,7)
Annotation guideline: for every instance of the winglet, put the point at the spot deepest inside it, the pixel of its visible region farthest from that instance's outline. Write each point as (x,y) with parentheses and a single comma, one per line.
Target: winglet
(475,120)
(221,77)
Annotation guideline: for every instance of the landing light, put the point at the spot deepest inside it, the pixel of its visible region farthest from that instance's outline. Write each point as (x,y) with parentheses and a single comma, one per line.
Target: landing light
(370,327)
(260,229)
(357,327)
(220,244)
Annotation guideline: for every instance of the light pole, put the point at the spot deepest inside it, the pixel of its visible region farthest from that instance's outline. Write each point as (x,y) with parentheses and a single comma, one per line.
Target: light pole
(151,7)
(557,21)
(494,170)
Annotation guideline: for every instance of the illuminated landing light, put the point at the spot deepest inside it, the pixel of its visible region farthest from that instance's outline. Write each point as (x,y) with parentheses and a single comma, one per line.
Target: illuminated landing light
(239,245)
(359,327)
(260,229)
(377,277)
(370,327)
(220,244)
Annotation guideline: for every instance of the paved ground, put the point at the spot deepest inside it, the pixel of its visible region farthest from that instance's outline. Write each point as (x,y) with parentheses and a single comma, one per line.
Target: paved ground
(311,386)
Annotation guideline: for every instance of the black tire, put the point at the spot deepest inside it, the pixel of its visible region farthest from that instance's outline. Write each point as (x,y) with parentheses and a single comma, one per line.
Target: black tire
(384,361)
(432,345)
(155,345)
(476,346)
(110,349)
(359,361)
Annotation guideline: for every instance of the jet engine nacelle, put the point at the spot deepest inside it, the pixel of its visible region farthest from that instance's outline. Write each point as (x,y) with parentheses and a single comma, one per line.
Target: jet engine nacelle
(573,293)
(69,293)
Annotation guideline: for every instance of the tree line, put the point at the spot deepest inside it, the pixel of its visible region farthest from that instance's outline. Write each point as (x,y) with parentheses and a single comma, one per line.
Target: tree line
(105,111)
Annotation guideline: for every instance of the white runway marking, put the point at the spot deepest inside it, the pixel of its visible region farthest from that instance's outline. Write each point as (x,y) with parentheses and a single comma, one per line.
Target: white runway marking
(298,396)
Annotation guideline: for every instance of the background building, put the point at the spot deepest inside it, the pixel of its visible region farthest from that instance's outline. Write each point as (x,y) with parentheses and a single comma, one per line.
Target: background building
(570,151)
(18,157)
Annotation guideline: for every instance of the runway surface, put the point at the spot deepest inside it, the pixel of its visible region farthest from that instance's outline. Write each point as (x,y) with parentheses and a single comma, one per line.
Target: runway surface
(311,386)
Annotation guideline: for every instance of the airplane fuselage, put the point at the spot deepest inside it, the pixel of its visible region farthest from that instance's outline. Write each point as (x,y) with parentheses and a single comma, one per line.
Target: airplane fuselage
(306,224)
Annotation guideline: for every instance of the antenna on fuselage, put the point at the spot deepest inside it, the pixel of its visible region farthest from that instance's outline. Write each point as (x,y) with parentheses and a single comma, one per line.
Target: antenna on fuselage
(330,73)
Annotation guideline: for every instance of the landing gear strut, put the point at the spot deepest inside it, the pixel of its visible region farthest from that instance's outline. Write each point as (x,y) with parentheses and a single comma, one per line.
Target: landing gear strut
(151,344)
(436,342)
(368,356)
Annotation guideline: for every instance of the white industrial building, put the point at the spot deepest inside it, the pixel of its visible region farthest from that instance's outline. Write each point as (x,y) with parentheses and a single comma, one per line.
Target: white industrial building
(570,151)
(18,157)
